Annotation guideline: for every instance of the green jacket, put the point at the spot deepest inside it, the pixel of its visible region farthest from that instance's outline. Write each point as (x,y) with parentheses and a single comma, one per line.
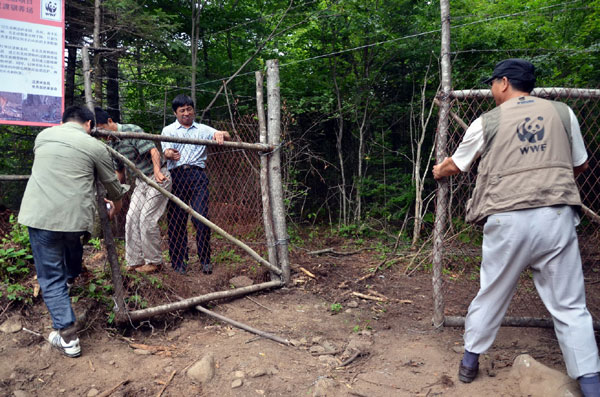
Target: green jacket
(60,194)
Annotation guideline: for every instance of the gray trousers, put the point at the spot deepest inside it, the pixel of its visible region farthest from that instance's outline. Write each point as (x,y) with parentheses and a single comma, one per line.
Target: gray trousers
(142,235)
(544,239)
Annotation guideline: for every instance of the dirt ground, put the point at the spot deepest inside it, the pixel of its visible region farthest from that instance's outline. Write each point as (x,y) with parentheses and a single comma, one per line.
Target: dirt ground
(401,354)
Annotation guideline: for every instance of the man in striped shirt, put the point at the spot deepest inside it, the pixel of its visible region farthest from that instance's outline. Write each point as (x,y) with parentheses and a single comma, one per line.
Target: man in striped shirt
(142,234)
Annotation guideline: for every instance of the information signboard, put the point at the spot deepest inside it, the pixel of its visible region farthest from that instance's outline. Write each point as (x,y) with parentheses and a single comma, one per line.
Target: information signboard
(31,61)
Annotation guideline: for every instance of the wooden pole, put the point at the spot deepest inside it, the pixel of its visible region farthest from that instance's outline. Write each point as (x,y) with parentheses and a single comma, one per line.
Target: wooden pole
(14,177)
(193,213)
(264,173)
(458,321)
(207,142)
(243,326)
(143,314)
(440,150)
(120,308)
(539,91)
(275,180)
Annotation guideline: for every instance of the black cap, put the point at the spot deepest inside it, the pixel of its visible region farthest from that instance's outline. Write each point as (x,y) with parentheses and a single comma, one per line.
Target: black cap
(513,69)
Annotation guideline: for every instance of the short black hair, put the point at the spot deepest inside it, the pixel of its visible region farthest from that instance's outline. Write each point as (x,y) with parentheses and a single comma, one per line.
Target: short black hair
(181,100)
(101,115)
(523,86)
(78,114)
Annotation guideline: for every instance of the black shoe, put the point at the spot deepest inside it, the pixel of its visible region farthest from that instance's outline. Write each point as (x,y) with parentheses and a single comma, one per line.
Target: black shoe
(467,374)
(180,269)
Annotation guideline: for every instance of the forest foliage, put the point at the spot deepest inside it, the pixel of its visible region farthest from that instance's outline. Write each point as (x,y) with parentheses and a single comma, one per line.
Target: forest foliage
(357,77)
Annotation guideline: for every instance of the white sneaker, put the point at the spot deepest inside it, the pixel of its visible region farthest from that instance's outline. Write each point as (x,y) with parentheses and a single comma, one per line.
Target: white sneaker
(71,349)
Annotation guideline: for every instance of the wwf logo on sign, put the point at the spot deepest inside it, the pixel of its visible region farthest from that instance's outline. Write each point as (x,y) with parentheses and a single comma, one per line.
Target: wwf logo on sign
(531,130)
(51,7)
(51,10)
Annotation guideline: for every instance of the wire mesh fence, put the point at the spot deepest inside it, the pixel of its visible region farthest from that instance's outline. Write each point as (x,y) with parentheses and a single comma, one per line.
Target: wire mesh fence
(224,188)
(227,192)
(462,242)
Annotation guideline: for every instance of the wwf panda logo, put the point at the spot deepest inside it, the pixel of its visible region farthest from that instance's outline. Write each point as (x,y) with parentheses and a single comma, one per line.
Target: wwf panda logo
(531,130)
(51,7)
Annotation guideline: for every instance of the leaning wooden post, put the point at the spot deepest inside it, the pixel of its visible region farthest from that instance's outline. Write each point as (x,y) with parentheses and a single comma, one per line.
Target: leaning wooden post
(264,173)
(440,154)
(120,309)
(275,180)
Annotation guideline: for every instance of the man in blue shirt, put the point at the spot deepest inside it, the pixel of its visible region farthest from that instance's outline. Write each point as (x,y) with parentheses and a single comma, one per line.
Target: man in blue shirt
(186,163)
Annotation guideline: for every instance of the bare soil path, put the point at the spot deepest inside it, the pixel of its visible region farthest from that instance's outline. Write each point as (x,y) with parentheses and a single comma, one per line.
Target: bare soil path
(342,345)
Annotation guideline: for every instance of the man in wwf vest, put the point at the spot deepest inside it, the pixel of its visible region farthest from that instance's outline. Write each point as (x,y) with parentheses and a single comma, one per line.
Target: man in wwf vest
(531,150)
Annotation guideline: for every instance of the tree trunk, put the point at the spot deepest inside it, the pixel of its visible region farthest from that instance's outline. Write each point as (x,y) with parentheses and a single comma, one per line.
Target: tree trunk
(112,83)
(140,87)
(196,10)
(97,54)
(70,75)
(440,154)
(339,135)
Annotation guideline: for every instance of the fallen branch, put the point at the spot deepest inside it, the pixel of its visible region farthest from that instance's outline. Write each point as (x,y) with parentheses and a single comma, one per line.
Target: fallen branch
(327,353)
(111,391)
(259,304)
(351,358)
(190,302)
(152,349)
(370,297)
(309,274)
(243,326)
(166,384)
(334,252)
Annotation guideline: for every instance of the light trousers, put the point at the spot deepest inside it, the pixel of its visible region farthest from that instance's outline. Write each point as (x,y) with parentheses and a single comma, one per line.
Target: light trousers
(142,234)
(545,240)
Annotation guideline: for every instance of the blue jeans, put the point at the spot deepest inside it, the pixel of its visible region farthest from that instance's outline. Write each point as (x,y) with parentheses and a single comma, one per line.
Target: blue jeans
(57,256)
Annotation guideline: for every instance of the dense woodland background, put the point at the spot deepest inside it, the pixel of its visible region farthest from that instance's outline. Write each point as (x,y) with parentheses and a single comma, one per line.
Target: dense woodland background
(358,81)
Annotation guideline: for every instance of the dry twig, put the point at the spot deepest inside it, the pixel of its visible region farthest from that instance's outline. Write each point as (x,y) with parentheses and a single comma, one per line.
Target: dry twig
(334,252)
(370,297)
(352,358)
(259,304)
(309,274)
(113,389)
(167,383)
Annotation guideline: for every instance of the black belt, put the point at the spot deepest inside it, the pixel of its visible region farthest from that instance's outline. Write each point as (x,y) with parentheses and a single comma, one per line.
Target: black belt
(188,167)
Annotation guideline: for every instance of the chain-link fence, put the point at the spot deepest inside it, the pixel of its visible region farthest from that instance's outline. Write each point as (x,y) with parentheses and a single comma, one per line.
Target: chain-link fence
(462,242)
(191,260)
(220,183)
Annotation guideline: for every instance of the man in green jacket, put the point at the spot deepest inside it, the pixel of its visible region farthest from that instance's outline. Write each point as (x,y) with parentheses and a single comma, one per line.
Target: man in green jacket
(58,207)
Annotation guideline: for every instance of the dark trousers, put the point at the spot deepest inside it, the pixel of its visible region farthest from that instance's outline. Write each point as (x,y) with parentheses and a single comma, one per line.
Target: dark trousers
(190,184)
(56,257)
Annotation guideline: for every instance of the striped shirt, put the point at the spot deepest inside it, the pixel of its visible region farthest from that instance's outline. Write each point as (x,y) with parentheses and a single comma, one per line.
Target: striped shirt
(136,150)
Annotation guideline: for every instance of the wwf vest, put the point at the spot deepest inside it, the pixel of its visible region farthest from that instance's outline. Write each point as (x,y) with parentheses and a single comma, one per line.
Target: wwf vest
(526,159)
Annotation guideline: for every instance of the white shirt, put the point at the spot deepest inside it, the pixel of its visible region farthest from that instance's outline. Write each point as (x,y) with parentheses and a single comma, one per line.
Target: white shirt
(470,147)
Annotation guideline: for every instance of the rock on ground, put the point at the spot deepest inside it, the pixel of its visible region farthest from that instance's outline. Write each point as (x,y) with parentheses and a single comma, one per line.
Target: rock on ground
(537,380)
(12,325)
(203,370)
